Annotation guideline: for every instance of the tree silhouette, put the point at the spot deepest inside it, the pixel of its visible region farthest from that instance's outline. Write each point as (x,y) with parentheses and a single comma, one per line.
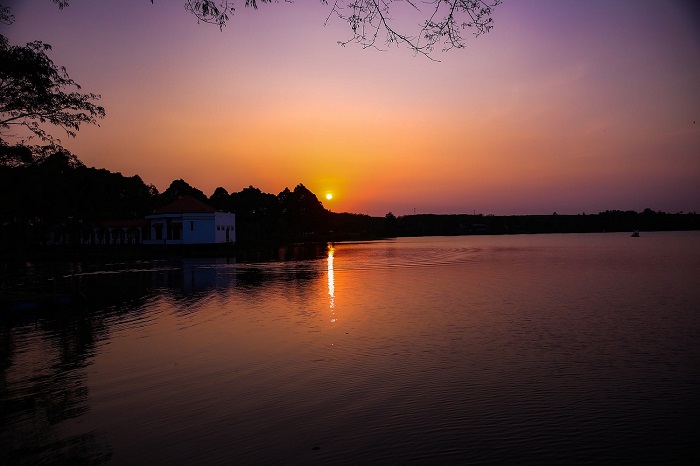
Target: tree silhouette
(221,200)
(177,189)
(35,92)
(301,213)
(442,23)
(15,156)
(256,214)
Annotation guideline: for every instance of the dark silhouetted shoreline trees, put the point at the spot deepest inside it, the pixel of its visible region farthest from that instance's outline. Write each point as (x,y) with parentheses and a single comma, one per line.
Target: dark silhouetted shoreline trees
(55,199)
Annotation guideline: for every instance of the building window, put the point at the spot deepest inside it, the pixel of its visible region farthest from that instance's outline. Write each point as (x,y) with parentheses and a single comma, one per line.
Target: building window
(191,226)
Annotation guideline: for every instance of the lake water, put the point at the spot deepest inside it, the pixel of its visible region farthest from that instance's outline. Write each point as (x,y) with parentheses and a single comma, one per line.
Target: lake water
(579,348)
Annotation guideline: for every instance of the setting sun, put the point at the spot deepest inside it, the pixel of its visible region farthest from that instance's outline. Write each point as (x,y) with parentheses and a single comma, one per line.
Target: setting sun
(329,196)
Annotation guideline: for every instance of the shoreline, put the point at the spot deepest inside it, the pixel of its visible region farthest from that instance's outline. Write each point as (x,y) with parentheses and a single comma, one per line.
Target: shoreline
(257,251)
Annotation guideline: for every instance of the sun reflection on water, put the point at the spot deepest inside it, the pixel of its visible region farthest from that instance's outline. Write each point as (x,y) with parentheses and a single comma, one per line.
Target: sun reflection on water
(331,281)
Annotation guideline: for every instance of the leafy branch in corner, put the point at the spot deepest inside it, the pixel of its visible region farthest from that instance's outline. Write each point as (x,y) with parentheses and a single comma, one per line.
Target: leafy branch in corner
(35,92)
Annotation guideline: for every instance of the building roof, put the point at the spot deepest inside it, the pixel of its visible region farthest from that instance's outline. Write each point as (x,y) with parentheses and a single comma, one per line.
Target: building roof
(185,205)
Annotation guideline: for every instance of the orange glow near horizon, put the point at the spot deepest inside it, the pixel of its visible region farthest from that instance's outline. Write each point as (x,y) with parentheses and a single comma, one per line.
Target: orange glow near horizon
(542,114)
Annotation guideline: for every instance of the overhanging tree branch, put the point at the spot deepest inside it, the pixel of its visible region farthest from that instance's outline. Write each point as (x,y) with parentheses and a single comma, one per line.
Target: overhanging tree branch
(371,23)
(36,92)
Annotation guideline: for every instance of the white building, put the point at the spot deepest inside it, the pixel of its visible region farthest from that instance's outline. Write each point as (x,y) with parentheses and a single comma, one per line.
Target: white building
(190,221)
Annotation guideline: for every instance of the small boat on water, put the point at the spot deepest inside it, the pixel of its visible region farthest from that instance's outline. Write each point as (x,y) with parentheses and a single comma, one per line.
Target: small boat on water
(635,234)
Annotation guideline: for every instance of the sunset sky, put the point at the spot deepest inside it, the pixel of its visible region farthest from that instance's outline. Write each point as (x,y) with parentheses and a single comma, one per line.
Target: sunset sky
(566,105)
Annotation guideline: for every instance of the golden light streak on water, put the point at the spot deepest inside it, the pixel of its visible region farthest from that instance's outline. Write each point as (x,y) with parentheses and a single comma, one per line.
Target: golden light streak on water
(331,281)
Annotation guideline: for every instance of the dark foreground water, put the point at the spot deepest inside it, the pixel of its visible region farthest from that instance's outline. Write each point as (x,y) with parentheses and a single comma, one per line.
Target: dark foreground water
(564,349)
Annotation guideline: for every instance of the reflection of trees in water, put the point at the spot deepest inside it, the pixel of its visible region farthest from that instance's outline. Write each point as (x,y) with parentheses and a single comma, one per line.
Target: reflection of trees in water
(119,288)
(43,356)
(286,264)
(43,384)
(189,278)
(192,278)
(259,276)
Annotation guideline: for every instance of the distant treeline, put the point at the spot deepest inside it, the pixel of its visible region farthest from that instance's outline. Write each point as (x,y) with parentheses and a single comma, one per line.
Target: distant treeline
(610,220)
(57,199)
